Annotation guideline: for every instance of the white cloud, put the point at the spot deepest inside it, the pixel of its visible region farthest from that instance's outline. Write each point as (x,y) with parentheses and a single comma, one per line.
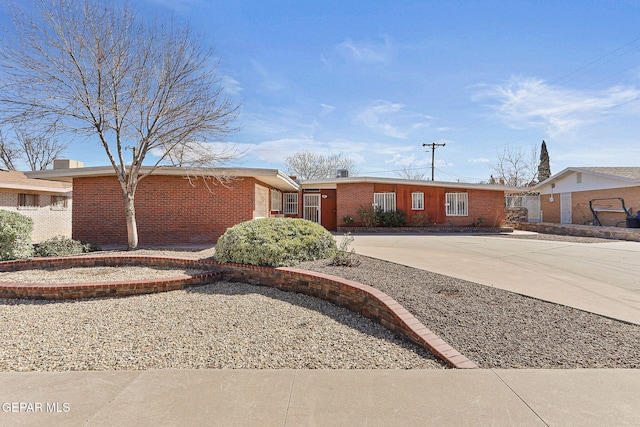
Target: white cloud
(532,103)
(479,160)
(231,85)
(326,109)
(391,119)
(366,52)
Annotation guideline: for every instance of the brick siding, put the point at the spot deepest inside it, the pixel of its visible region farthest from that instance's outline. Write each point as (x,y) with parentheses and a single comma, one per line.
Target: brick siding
(169,209)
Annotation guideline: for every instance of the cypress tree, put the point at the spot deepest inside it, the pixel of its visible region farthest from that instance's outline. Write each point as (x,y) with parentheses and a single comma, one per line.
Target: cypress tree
(544,169)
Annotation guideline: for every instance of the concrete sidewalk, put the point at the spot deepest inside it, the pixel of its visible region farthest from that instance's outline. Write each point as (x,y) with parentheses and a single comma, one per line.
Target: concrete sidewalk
(322,398)
(602,278)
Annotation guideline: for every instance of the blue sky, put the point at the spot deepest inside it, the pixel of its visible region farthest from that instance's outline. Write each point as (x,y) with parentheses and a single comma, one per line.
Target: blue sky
(377,79)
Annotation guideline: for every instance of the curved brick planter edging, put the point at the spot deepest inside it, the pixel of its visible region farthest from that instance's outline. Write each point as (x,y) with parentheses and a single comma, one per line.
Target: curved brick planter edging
(103,289)
(363,299)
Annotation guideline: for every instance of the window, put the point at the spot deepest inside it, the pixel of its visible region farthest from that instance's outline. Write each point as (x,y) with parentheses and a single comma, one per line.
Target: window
(58,203)
(291,203)
(385,201)
(457,204)
(417,201)
(28,201)
(276,200)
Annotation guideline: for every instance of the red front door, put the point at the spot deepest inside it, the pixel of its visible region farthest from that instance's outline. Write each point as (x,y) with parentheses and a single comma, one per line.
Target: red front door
(328,208)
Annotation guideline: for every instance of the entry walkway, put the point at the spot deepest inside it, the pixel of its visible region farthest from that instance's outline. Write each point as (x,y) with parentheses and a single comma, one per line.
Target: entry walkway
(322,398)
(602,278)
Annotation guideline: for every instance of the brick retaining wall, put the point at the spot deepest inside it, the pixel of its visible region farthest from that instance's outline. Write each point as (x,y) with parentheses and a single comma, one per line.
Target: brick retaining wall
(365,300)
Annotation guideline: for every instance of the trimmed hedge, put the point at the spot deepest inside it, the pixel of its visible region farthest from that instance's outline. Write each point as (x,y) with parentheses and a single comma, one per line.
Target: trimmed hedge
(275,242)
(15,236)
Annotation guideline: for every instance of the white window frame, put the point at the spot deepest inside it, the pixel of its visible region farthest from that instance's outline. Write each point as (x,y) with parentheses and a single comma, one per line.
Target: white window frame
(417,201)
(290,201)
(457,204)
(28,201)
(276,200)
(385,201)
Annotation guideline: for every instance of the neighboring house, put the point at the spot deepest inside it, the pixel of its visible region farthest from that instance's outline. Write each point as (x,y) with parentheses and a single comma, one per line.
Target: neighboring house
(457,204)
(565,196)
(47,203)
(173,205)
(172,208)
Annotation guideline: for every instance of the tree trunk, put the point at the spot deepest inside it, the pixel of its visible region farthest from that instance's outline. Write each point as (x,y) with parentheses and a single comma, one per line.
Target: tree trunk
(132,227)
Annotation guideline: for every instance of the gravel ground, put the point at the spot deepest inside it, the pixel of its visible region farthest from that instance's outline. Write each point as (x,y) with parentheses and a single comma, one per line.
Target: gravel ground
(221,325)
(243,326)
(93,274)
(496,328)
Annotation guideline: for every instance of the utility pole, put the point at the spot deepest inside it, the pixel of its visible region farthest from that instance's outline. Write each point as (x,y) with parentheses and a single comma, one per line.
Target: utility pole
(433,146)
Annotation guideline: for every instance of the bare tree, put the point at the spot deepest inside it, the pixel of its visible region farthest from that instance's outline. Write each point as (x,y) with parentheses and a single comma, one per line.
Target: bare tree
(309,165)
(416,174)
(515,168)
(9,153)
(145,90)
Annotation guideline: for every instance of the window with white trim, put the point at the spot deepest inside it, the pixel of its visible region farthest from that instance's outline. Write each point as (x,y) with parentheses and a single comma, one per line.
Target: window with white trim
(385,201)
(291,203)
(457,204)
(417,201)
(276,200)
(58,203)
(28,201)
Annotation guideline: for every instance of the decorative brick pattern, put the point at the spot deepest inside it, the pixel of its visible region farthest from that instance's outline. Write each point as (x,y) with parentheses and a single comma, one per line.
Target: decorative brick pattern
(365,300)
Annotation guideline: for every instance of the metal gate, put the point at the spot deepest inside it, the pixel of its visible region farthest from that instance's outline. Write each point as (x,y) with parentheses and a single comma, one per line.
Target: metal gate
(312,207)
(528,201)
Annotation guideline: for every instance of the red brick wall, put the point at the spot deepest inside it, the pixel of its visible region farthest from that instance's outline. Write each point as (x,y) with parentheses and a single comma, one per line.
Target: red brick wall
(485,204)
(350,197)
(169,209)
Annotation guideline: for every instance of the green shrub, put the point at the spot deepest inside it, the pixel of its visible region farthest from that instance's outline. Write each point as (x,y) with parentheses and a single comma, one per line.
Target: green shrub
(15,235)
(368,216)
(62,246)
(396,218)
(275,242)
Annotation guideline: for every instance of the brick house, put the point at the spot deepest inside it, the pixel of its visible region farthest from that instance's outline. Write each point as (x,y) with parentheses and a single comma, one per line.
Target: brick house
(177,206)
(47,203)
(173,205)
(565,196)
(457,204)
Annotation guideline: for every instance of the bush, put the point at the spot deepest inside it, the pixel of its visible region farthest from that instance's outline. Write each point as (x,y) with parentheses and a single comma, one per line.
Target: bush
(391,218)
(15,235)
(368,216)
(62,246)
(345,256)
(275,242)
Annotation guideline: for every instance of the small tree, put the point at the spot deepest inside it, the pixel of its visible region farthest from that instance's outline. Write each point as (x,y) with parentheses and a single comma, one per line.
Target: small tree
(515,168)
(310,165)
(544,168)
(139,88)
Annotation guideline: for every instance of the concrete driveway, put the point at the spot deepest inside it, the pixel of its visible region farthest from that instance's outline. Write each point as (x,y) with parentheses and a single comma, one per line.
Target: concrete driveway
(602,278)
